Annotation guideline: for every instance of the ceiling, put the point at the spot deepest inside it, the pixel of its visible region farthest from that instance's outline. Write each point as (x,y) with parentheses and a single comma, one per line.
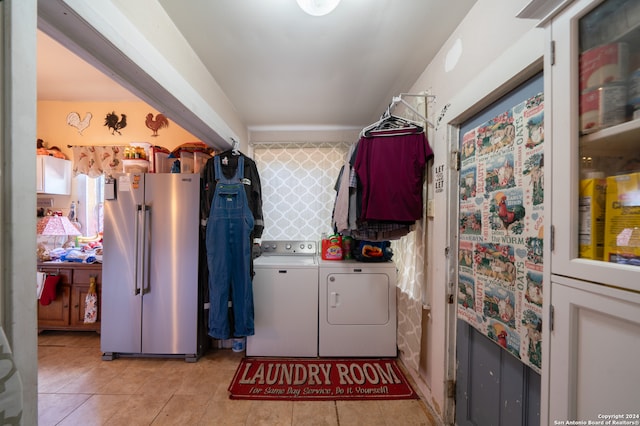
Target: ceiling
(282,68)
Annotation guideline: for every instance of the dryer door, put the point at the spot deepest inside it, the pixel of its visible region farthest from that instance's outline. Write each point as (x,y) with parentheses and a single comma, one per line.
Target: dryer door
(357,299)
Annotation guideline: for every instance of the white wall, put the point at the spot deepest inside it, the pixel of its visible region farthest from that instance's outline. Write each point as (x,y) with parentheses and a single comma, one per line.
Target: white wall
(496,51)
(18,306)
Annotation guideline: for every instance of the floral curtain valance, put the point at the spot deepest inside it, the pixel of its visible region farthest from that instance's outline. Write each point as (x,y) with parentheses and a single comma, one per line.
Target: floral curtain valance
(94,161)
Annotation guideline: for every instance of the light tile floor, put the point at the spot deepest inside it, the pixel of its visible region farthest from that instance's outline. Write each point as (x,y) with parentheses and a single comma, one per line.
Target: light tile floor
(76,387)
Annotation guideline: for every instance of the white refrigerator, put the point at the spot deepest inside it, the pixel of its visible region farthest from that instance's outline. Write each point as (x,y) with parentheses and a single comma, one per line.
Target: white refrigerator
(150,266)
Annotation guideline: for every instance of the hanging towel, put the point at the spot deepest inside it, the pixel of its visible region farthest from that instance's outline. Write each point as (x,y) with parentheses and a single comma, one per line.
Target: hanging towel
(91,303)
(49,289)
(39,284)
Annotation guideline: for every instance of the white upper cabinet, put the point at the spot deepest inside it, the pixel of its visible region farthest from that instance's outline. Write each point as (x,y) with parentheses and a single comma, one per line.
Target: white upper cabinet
(592,85)
(53,175)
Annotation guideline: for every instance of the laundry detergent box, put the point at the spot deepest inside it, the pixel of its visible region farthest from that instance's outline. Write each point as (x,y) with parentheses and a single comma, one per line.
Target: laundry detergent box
(332,247)
(622,219)
(592,217)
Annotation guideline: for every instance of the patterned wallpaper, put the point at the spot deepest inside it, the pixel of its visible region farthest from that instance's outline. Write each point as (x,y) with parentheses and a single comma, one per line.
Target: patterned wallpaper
(298,192)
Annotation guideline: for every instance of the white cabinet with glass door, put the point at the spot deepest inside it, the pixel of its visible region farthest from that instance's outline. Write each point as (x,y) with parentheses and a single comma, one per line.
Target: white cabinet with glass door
(592,189)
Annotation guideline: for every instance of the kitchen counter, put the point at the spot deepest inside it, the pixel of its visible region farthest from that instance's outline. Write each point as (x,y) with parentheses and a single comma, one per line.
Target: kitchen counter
(80,265)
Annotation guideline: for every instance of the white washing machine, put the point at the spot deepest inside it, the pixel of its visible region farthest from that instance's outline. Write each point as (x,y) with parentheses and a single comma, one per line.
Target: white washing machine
(285,299)
(357,311)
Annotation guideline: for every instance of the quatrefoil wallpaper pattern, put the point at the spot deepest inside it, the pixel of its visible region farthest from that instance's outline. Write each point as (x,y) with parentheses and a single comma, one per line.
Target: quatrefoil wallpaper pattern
(298,194)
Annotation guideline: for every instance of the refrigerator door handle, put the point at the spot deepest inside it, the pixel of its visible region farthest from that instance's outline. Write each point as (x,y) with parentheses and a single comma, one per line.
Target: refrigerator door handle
(146,282)
(137,285)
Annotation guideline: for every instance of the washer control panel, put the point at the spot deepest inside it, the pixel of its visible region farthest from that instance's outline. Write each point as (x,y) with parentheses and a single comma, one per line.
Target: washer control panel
(289,247)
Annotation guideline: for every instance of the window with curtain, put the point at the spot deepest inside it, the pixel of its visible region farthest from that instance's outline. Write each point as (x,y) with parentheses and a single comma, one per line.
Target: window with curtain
(298,193)
(90,192)
(90,166)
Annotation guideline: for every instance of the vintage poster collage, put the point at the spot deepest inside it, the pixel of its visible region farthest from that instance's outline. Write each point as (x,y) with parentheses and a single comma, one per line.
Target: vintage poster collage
(501,230)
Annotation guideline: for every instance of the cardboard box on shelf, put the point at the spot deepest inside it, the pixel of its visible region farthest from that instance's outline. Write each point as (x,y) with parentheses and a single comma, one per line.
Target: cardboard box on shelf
(604,64)
(592,217)
(622,223)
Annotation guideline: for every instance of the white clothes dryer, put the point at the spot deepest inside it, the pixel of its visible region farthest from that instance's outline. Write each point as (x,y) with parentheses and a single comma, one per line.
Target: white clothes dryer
(285,300)
(357,311)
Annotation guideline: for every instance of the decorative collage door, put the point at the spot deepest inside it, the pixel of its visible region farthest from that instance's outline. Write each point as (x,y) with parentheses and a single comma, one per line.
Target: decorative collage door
(500,233)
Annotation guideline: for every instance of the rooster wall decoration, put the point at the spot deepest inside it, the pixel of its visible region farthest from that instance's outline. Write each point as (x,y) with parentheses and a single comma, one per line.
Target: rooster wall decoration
(160,122)
(113,122)
(73,119)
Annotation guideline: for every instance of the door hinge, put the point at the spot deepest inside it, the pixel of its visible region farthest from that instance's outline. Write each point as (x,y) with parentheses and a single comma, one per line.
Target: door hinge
(451,388)
(455,160)
(552,238)
(552,52)
(551,317)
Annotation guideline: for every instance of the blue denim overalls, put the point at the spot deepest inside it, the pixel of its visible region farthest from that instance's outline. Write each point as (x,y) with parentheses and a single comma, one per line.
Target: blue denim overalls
(229,255)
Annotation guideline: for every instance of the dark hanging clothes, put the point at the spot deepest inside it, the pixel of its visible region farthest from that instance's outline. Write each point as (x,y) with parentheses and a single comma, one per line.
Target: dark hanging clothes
(383,197)
(252,186)
(253,189)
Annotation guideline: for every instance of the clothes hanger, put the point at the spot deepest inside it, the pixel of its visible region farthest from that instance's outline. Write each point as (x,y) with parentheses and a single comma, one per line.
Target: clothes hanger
(385,118)
(398,99)
(392,125)
(236,147)
(389,121)
(235,151)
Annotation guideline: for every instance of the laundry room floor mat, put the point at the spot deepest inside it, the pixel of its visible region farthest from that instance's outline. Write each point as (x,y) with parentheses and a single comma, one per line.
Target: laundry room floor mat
(313,379)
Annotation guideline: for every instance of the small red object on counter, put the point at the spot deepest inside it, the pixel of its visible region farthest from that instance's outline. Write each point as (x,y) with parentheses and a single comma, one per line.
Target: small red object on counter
(332,247)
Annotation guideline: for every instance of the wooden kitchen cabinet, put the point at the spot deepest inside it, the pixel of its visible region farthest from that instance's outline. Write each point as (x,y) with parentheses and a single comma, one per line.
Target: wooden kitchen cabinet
(56,314)
(66,312)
